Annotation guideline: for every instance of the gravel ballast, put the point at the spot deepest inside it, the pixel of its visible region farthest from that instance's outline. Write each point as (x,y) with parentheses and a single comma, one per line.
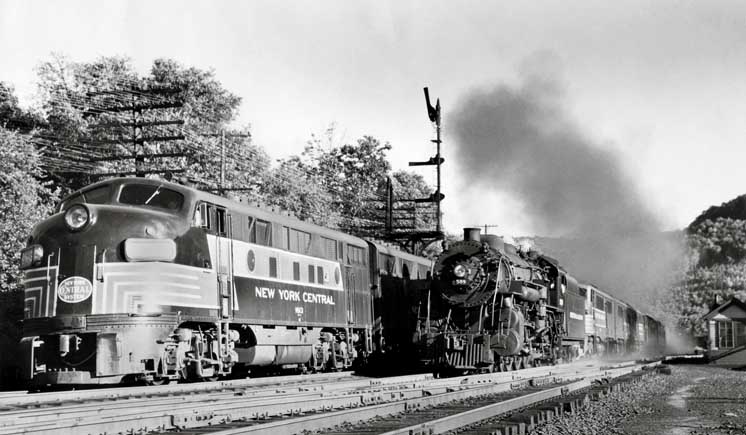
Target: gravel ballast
(692,400)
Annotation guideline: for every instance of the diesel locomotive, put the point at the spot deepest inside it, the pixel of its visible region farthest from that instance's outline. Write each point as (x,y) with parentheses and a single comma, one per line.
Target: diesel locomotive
(143,280)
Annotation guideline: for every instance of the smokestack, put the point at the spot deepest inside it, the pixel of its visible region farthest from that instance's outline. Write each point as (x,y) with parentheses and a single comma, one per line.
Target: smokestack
(472,234)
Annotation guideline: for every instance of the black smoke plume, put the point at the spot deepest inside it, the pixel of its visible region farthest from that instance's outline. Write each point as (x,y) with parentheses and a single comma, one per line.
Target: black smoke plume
(518,140)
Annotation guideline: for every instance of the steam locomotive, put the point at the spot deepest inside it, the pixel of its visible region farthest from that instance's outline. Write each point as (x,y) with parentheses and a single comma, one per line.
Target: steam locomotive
(495,307)
(144,280)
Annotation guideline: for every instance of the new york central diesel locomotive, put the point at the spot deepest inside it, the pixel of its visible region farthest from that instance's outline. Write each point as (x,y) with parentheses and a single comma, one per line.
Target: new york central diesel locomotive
(144,280)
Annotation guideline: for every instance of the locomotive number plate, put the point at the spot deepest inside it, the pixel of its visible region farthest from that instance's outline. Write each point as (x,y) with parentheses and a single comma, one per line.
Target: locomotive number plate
(74,289)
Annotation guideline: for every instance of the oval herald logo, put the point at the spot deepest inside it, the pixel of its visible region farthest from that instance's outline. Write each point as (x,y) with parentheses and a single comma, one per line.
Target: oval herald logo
(74,289)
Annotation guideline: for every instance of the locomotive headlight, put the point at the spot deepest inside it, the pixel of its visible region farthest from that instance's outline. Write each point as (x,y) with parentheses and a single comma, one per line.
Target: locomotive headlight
(459,271)
(77,217)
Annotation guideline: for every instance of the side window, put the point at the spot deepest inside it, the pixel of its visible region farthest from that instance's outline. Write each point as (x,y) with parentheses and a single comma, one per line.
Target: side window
(296,271)
(340,251)
(200,212)
(251,222)
(297,241)
(320,274)
(220,221)
(273,267)
(311,273)
(330,248)
(211,218)
(263,233)
(355,255)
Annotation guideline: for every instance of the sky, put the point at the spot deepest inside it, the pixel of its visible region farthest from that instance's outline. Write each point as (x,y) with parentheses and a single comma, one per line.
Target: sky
(660,85)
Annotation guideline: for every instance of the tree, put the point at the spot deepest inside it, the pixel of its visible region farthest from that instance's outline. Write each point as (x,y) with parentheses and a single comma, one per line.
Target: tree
(717,268)
(12,116)
(408,186)
(24,200)
(291,187)
(351,174)
(78,98)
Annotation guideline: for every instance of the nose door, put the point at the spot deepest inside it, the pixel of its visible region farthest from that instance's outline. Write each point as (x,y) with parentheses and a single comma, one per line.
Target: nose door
(74,288)
(224,263)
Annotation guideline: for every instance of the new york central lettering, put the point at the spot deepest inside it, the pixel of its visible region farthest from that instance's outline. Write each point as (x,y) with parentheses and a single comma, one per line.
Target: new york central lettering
(293,295)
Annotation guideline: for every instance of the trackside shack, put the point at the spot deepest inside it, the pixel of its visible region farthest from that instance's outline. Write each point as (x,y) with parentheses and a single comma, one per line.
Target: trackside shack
(726,333)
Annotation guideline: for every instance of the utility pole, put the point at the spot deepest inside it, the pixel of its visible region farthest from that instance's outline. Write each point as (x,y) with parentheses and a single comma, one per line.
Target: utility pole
(138,138)
(485,226)
(221,187)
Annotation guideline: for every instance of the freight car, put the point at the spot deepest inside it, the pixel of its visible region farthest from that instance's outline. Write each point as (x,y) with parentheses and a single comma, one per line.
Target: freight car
(144,280)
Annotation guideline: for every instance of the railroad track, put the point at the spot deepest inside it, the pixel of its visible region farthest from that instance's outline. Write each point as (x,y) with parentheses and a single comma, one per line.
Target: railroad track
(287,406)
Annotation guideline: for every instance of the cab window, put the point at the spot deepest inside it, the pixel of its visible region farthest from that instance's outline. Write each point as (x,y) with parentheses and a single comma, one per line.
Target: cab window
(98,195)
(211,217)
(151,195)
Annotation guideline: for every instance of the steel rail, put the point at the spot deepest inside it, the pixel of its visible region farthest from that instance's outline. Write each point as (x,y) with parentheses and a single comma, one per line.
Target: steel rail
(20,398)
(322,421)
(219,406)
(474,416)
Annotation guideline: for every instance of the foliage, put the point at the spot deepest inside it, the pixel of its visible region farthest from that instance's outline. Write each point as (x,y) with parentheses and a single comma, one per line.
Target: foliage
(23,200)
(12,116)
(719,241)
(410,185)
(717,268)
(292,188)
(733,209)
(351,174)
(76,98)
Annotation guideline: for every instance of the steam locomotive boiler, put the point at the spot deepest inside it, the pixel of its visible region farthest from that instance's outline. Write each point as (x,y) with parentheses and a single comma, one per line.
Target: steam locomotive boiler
(489,307)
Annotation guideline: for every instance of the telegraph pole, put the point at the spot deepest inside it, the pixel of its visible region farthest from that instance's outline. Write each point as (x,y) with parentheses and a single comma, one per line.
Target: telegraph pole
(221,188)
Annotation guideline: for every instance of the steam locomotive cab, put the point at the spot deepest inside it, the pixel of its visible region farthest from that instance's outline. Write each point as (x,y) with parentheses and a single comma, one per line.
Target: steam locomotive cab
(488,309)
